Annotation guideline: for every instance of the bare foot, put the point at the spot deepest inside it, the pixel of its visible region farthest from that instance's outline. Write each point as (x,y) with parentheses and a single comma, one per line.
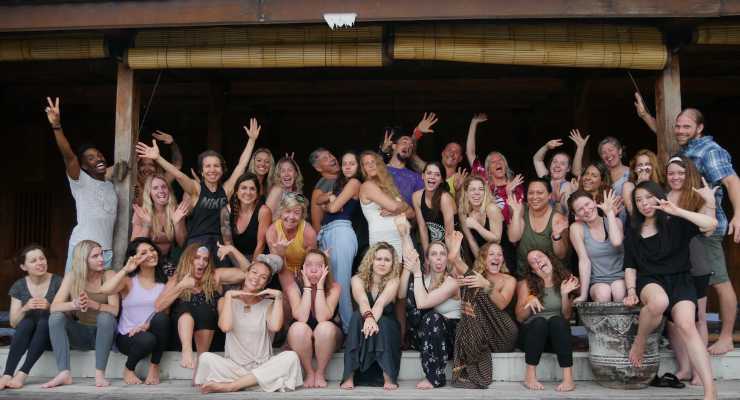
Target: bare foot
(100,380)
(152,377)
(349,384)
(320,381)
(216,387)
(4,381)
(309,381)
(390,386)
(566,386)
(721,346)
(695,381)
(636,353)
(683,375)
(62,378)
(424,384)
(533,384)
(187,359)
(18,380)
(130,378)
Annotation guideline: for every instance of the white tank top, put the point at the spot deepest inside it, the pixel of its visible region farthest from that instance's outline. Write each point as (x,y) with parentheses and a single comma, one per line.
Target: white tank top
(380,228)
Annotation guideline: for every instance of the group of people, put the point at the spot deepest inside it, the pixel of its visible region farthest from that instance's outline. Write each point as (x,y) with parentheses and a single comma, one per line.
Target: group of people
(387,252)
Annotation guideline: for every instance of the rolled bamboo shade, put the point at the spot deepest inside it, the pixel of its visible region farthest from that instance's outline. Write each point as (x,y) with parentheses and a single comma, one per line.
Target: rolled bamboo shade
(255,35)
(726,34)
(259,56)
(60,47)
(560,45)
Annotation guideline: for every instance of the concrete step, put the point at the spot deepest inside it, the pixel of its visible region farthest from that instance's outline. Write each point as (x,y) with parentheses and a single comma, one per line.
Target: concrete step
(84,389)
(507,367)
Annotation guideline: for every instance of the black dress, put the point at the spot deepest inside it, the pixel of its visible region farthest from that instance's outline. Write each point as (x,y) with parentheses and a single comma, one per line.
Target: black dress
(363,356)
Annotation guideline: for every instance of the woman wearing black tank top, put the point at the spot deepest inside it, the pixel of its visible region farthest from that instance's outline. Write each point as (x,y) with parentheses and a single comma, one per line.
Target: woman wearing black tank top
(210,194)
(245,220)
(434,205)
(481,219)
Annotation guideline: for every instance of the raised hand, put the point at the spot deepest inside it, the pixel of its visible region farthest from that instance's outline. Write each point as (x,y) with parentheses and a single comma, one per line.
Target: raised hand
(163,137)
(515,204)
(411,260)
(574,184)
(195,176)
(706,192)
(453,240)
(559,226)
(53,112)
(569,285)
(478,118)
(512,184)
(253,132)
(281,245)
(554,143)
(142,214)
(290,155)
(187,282)
(181,211)
(667,207)
(459,178)
(223,250)
(144,151)
(132,263)
(426,123)
(387,140)
(642,111)
(575,136)
(610,203)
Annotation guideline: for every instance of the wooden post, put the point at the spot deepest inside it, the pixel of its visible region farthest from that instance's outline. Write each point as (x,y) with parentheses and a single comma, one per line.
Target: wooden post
(668,105)
(127,134)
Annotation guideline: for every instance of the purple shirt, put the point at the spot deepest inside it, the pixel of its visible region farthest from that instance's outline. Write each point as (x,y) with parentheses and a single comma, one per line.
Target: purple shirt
(407,182)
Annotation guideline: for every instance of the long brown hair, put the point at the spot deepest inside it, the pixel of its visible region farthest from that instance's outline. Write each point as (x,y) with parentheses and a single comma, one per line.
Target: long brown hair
(185,267)
(656,173)
(383,179)
(536,284)
(689,199)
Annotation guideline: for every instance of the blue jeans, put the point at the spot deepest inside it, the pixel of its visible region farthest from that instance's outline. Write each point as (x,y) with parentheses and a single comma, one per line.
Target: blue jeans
(107,258)
(339,238)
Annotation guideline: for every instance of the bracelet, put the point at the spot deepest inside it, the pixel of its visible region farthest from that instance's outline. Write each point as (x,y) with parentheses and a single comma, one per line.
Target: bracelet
(367,314)
(56,127)
(555,239)
(418,133)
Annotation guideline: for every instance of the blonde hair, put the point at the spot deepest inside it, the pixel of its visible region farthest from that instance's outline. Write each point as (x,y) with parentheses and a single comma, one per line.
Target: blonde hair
(264,186)
(297,183)
(383,178)
(365,270)
(291,200)
(479,265)
(465,207)
(80,253)
(186,266)
(487,164)
(448,267)
(169,209)
(656,173)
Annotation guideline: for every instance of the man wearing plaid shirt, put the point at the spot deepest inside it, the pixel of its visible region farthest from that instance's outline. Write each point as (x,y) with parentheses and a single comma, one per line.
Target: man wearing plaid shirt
(715,165)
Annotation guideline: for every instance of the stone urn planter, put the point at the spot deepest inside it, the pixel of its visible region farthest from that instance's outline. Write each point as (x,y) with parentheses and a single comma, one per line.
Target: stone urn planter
(612,328)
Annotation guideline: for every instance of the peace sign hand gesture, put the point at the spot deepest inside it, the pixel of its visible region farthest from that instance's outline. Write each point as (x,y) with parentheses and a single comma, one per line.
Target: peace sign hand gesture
(254,129)
(53,112)
(387,140)
(707,193)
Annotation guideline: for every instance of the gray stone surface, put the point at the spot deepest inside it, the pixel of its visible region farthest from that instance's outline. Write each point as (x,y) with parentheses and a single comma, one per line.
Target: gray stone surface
(84,389)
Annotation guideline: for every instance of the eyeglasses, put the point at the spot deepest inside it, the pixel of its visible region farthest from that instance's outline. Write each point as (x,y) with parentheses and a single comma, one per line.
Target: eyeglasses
(296,196)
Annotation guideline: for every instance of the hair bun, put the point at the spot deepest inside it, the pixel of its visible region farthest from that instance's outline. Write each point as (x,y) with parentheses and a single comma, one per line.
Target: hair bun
(273,261)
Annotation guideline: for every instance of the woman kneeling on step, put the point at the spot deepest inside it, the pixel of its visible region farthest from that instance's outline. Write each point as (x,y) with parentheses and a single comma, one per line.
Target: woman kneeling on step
(250,317)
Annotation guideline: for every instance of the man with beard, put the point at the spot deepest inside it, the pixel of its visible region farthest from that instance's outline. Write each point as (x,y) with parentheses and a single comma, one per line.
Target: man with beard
(327,166)
(95,197)
(715,165)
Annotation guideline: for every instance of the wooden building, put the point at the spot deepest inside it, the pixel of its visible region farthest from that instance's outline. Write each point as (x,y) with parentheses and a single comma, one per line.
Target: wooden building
(538,68)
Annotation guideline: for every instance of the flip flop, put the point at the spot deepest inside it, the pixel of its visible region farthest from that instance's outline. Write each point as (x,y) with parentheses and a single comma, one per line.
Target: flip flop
(668,380)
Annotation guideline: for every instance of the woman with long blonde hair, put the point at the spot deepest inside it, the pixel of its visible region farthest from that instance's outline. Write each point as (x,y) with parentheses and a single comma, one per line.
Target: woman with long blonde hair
(374,335)
(193,292)
(82,316)
(481,220)
(159,217)
(286,178)
(380,201)
(316,328)
(262,164)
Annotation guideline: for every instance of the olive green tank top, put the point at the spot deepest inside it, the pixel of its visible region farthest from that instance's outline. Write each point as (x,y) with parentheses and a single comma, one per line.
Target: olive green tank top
(532,240)
(551,303)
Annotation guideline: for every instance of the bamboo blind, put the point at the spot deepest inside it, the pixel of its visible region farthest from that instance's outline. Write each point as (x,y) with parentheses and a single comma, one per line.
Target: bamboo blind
(258,47)
(561,45)
(60,47)
(718,34)
(265,56)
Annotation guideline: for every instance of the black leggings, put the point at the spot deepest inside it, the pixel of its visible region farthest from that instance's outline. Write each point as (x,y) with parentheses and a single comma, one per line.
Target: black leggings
(153,341)
(546,335)
(31,334)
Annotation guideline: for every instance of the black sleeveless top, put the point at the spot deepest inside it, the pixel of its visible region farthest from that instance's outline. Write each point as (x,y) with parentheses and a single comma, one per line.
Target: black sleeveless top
(480,240)
(246,241)
(435,224)
(204,219)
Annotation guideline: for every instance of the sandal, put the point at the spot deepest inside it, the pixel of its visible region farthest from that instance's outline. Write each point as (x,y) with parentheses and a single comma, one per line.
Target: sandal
(668,380)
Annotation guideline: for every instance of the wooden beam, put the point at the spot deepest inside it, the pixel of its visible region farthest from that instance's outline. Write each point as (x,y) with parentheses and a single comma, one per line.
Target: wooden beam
(20,16)
(127,134)
(668,105)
